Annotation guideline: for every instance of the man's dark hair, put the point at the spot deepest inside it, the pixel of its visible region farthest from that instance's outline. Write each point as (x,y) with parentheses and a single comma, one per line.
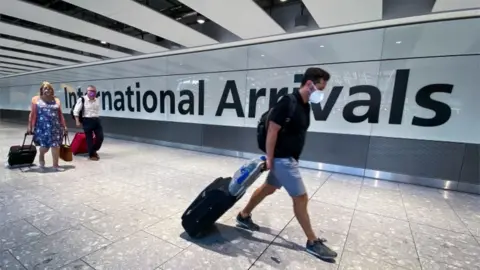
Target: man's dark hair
(314,74)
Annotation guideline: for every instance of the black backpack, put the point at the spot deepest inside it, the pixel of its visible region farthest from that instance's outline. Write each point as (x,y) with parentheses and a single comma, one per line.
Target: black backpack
(263,122)
(80,114)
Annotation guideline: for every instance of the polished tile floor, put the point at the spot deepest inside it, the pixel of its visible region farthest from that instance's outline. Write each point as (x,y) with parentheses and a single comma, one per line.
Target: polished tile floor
(123,212)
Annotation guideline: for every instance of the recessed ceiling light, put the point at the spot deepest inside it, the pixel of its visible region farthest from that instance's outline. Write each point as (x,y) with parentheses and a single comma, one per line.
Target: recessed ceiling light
(201,19)
(283,0)
(398,42)
(263,55)
(103,42)
(321,46)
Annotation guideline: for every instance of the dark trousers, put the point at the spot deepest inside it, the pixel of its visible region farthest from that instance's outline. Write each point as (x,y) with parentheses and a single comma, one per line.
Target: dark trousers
(91,126)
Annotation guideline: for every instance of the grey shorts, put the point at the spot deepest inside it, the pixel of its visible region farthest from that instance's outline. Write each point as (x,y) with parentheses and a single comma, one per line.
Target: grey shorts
(285,173)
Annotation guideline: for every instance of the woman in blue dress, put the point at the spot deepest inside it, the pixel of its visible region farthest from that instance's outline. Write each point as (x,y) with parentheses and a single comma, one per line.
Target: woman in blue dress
(48,124)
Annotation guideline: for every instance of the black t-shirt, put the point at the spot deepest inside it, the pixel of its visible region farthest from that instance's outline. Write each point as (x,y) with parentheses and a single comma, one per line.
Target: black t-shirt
(291,138)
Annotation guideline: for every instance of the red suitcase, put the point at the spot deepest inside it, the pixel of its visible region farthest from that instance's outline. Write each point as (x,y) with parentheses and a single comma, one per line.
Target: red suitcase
(79,143)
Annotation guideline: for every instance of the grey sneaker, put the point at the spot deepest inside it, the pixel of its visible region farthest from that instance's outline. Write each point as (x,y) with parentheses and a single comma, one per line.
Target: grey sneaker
(320,250)
(247,223)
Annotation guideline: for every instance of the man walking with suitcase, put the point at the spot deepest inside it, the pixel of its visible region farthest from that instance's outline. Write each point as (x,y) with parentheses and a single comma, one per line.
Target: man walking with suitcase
(87,115)
(285,137)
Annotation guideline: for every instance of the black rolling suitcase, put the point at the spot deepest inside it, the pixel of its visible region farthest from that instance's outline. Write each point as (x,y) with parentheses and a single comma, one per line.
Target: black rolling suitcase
(22,154)
(209,206)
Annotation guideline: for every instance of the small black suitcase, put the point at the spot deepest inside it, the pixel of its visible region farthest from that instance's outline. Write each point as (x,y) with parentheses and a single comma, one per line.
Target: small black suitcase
(22,154)
(209,206)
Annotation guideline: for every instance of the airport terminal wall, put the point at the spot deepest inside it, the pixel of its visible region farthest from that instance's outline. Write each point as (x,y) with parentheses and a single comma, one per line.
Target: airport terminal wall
(402,103)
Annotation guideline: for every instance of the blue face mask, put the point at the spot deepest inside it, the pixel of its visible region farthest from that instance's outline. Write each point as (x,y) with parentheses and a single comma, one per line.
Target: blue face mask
(316,96)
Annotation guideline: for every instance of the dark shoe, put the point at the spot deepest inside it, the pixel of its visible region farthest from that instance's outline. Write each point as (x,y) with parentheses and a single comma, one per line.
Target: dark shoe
(247,223)
(94,158)
(97,156)
(321,251)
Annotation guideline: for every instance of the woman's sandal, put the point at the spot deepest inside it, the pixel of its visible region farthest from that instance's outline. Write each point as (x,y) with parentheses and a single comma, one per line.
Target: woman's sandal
(58,169)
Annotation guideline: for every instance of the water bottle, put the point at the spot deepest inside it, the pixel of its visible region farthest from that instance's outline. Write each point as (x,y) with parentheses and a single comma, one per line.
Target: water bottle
(246,175)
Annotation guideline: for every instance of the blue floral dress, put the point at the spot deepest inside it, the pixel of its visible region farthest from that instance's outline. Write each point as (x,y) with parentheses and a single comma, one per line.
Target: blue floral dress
(48,129)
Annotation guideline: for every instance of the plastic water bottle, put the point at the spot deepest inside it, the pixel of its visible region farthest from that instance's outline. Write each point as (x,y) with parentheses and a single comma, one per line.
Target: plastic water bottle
(246,175)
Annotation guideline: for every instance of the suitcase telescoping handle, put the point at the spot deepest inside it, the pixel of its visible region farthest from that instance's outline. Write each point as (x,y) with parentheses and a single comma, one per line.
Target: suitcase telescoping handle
(264,166)
(25,138)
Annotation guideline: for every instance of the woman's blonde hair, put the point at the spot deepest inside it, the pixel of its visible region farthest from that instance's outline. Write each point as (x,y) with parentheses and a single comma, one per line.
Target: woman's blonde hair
(45,84)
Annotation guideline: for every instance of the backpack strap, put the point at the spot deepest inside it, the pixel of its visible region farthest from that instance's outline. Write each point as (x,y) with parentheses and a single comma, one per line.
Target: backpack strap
(292,108)
(81,113)
(83,104)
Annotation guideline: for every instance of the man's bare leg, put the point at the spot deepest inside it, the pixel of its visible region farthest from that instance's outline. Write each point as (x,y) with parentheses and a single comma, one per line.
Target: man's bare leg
(314,246)
(301,213)
(244,217)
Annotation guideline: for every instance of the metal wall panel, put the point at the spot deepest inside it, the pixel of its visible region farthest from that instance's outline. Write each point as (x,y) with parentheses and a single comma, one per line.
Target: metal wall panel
(471,165)
(433,159)
(158,130)
(230,138)
(339,149)
(15,116)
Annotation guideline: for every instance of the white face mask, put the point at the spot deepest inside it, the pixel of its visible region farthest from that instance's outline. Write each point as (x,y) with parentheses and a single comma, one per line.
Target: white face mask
(316,97)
